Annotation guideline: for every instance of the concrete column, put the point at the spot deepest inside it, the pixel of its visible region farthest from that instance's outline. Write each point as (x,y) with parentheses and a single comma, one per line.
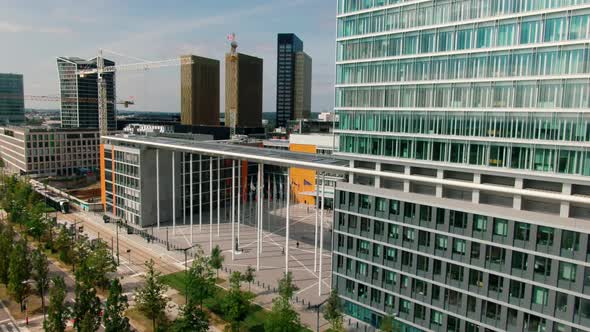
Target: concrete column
(210,203)
(517,198)
(564,210)
(315,228)
(191,193)
(378,178)
(218,193)
(322,233)
(233,181)
(200,193)
(475,193)
(173,190)
(439,187)
(287,224)
(407,171)
(183,172)
(258,217)
(239,198)
(158,186)
(351,175)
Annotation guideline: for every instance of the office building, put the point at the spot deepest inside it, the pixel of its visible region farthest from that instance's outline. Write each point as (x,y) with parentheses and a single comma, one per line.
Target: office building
(12,99)
(79,94)
(477,112)
(302,86)
(38,151)
(199,91)
(288,44)
(243,90)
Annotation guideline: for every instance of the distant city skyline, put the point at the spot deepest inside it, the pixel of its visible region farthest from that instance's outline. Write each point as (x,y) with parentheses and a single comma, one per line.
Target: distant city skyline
(154,31)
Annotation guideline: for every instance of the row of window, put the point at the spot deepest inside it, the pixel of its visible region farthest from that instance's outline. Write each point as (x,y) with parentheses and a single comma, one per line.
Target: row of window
(437,13)
(542,126)
(547,61)
(529,32)
(471,9)
(517,156)
(570,94)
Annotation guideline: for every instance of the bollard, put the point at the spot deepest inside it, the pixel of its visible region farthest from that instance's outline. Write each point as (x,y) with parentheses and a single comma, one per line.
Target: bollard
(365,328)
(308,306)
(357,325)
(257,283)
(296,299)
(303,301)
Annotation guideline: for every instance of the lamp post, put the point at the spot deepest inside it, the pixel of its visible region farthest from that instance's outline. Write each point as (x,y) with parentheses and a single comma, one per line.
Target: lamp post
(186,270)
(318,314)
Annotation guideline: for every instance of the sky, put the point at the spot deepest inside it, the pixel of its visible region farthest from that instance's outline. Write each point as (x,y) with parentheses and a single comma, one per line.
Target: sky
(34,32)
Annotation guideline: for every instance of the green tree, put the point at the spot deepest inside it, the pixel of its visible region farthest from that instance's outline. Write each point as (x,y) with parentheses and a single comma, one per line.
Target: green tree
(236,304)
(282,317)
(35,222)
(6,242)
(86,312)
(19,272)
(65,246)
(115,306)
(201,279)
(249,276)
(57,311)
(40,273)
(286,286)
(333,312)
(192,319)
(95,263)
(216,259)
(150,298)
(389,324)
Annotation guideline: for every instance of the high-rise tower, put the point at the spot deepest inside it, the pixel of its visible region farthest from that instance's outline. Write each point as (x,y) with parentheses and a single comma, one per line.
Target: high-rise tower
(12,102)
(79,94)
(288,44)
(199,89)
(473,117)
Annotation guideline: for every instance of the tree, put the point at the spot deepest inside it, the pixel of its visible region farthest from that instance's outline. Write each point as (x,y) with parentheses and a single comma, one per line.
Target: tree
(333,312)
(19,272)
(40,274)
(115,306)
(201,280)
(282,317)
(216,259)
(57,312)
(6,241)
(249,275)
(236,303)
(96,262)
(286,286)
(150,298)
(389,324)
(87,308)
(65,246)
(192,319)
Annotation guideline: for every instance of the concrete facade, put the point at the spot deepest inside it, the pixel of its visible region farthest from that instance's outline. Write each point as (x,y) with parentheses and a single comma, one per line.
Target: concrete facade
(12,102)
(199,91)
(243,90)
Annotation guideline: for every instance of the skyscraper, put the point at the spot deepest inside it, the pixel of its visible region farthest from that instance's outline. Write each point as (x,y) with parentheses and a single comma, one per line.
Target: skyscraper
(79,94)
(243,90)
(12,102)
(302,86)
(199,91)
(288,44)
(472,118)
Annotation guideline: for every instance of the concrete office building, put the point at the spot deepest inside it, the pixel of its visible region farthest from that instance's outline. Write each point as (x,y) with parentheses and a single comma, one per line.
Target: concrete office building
(243,90)
(473,117)
(288,44)
(302,86)
(12,99)
(199,91)
(44,151)
(79,94)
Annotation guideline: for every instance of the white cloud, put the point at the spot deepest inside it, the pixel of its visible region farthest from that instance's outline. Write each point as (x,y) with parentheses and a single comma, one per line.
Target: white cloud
(8,27)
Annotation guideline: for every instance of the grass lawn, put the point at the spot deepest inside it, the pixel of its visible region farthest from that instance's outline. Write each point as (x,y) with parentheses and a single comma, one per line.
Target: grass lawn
(253,322)
(34,303)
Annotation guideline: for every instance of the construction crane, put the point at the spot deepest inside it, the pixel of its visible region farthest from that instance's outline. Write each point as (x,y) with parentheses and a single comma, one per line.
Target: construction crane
(232,117)
(58,99)
(102,89)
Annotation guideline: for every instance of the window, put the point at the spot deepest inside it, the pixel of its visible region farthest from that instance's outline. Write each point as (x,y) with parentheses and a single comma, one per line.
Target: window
(409,234)
(522,231)
(376,250)
(362,268)
(391,254)
(545,236)
(516,289)
(480,223)
(362,291)
(500,227)
(380,204)
(409,210)
(567,271)
(542,266)
(519,260)
(570,240)
(459,246)
(393,207)
(425,213)
(389,300)
(365,225)
(365,202)
(349,286)
(375,295)
(540,295)
(404,306)
(393,231)
(363,246)
(436,317)
(441,242)
(389,277)
(419,311)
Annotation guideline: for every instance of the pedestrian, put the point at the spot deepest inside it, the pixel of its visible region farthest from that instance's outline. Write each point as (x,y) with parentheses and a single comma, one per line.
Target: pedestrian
(297,244)
(283,250)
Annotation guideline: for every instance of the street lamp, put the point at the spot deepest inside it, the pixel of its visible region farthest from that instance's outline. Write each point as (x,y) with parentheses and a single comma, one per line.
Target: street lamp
(186,269)
(318,314)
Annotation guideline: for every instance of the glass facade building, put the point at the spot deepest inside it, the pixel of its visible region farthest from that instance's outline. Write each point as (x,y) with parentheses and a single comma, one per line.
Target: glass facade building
(12,100)
(288,44)
(79,94)
(472,116)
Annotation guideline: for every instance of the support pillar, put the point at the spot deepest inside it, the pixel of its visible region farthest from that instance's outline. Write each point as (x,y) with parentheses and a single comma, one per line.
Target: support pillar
(287,224)
(218,193)
(233,203)
(315,228)
(191,198)
(239,199)
(158,186)
(210,203)
(258,218)
(173,190)
(200,193)
(322,233)
(183,172)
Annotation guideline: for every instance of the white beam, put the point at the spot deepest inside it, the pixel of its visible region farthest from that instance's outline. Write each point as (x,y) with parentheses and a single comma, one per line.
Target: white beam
(239,198)
(233,182)
(191,193)
(200,193)
(211,203)
(321,233)
(173,190)
(158,187)
(315,228)
(218,193)
(287,223)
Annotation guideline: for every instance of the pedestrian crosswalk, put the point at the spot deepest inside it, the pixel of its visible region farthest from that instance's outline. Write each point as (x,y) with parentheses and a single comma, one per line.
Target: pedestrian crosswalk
(8,327)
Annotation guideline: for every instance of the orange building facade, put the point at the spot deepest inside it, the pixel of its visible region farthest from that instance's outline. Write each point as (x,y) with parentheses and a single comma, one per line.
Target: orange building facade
(303,180)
